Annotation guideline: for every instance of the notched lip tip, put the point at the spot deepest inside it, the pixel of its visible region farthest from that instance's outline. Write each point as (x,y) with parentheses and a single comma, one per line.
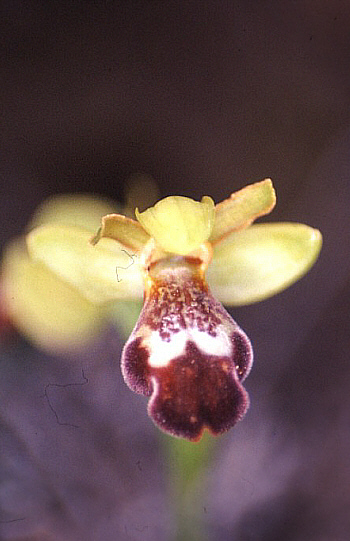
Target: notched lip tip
(186,437)
(205,430)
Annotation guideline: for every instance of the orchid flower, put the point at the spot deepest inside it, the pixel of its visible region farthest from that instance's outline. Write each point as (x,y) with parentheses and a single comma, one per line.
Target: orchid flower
(185,257)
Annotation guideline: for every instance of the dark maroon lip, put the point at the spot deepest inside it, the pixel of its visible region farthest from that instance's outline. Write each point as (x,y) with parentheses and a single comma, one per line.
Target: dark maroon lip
(189,356)
(193,392)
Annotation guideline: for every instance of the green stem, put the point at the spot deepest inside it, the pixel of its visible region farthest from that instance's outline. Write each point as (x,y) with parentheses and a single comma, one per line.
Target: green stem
(187,463)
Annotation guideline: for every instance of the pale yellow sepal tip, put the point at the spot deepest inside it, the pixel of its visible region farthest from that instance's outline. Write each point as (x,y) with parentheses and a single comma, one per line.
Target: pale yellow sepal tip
(179,224)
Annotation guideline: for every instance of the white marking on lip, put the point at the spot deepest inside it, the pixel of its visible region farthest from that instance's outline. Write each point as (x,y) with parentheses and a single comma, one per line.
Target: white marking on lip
(162,352)
(212,345)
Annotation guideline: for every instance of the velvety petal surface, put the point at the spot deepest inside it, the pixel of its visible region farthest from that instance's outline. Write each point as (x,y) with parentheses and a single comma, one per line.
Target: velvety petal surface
(106,271)
(258,262)
(242,208)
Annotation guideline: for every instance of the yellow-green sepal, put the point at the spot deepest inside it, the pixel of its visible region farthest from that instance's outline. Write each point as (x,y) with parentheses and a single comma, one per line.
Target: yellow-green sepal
(255,263)
(47,310)
(104,272)
(242,208)
(179,224)
(79,210)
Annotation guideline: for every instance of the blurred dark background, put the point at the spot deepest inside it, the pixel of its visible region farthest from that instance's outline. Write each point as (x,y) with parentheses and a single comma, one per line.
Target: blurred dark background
(206,97)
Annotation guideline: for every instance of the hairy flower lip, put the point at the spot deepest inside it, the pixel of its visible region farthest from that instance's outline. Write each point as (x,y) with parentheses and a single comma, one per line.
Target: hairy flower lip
(187,354)
(193,392)
(197,392)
